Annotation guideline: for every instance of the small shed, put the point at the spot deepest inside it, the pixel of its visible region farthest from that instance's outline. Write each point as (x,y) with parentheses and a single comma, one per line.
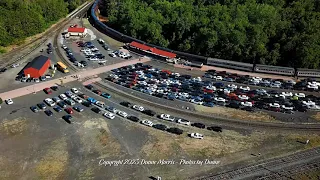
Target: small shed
(37,67)
(77,31)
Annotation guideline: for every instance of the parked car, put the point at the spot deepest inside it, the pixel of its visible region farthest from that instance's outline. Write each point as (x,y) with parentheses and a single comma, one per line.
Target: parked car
(96,110)
(48,112)
(196,135)
(89,86)
(175,131)
(124,103)
(106,95)
(67,118)
(9,101)
(69,110)
(49,101)
(109,115)
(133,118)
(184,122)
(147,123)
(149,112)
(34,109)
(167,117)
(161,127)
(78,108)
(198,125)
(47,90)
(122,114)
(138,108)
(57,108)
(42,106)
(215,128)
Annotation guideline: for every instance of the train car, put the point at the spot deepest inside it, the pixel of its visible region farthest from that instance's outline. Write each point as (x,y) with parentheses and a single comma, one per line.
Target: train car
(230,64)
(288,71)
(301,72)
(190,57)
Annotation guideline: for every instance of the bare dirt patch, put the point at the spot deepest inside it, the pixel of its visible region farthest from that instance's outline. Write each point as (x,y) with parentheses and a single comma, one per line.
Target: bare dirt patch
(316,116)
(13,127)
(236,114)
(164,145)
(97,138)
(54,161)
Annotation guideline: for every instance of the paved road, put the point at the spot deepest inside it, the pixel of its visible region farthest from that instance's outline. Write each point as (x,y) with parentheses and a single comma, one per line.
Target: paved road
(89,73)
(272,168)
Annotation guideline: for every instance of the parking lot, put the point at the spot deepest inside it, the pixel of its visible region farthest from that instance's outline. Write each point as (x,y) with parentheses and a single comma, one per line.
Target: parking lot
(167,84)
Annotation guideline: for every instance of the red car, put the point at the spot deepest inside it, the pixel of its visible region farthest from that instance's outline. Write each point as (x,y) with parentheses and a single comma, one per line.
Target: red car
(69,110)
(207,90)
(47,90)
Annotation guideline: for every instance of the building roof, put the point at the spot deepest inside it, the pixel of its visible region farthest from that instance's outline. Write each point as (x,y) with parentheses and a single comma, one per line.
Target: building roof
(37,62)
(153,50)
(76,29)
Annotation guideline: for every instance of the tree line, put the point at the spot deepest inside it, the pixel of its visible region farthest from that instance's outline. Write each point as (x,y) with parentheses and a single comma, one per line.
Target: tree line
(272,32)
(23,18)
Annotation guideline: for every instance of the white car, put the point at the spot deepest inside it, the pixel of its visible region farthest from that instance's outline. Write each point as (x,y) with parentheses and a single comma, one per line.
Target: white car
(184,122)
(147,123)
(184,94)
(85,50)
(109,115)
(257,78)
(286,107)
(196,135)
(93,59)
(313,107)
(77,99)
(313,87)
(274,105)
(50,102)
(300,95)
(280,95)
(291,82)
(244,88)
(138,108)
(64,46)
(196,101)
(314,83)
(247,104)
(211,88)
(226,91)
(122,114)
(232,86)
(243,97)
(100,104)
(101,41)
(261,91)
(112,55)
(167,117)
(307,103)
(74,90)
(287,94)
(218,78)
(197,79)
(176,74)
(63,96)
(220,99)
(9,101)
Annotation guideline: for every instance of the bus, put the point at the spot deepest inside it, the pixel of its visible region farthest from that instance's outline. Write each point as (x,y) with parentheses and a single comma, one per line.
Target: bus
(62,67)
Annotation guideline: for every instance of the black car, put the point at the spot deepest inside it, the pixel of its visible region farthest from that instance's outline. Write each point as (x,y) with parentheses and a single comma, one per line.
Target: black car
(127,104)
(55,88)
(87,103)
(3,70)
(62,104)
(42,106)
(198,125)
(149,112)
(57,108)
(133,118)
(48,112)
(89,86)
(160,127)
(67,118)
(215,128)
(96,110)
(34,109)
(175,131)
(84,63)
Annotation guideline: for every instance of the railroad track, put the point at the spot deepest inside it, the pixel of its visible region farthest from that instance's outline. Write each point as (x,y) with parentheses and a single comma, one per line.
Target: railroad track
(6,60)
(58,49)
(120,90)
(266,170)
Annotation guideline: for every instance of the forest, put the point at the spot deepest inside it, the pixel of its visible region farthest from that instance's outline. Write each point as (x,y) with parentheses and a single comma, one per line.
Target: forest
(272,32)
(20,19)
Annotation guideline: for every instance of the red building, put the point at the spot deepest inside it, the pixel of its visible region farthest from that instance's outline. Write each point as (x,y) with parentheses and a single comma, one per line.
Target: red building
(37,67)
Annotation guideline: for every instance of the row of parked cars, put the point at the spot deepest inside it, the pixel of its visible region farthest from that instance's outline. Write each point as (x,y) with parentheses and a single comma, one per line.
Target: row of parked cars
(60,103)
(92,53)
(306,84)
(101,107)
(171,85)
(72,58)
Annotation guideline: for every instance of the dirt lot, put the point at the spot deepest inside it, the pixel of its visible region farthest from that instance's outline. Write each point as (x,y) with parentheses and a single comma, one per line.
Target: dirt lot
(236,114)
